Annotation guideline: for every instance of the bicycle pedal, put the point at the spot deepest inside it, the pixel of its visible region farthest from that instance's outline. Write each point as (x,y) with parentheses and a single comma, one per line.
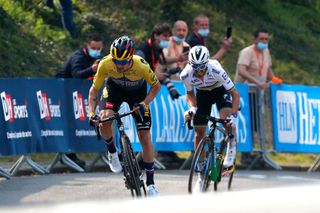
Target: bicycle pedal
(126,183)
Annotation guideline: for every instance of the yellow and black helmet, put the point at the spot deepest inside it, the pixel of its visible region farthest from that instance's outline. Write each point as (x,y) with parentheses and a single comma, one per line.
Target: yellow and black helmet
(122,48)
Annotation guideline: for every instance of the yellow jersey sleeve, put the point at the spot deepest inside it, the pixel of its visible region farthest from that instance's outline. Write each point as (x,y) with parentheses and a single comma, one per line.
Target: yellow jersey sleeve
(146,71)
(102,72)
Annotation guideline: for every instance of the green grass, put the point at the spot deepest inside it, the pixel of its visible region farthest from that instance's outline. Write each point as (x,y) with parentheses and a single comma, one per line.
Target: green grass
(293,159)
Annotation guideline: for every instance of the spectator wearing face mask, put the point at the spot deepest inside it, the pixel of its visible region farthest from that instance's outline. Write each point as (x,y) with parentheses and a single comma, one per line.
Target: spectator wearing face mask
(83,64)
(152,51)
(201,31)
(254,62)
(254,67)
(177,48)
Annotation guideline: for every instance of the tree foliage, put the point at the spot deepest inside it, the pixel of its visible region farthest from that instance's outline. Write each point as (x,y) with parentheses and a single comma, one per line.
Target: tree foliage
(33,43)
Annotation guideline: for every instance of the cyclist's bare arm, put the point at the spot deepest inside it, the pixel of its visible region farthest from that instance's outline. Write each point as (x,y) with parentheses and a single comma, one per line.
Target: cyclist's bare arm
(154,90)
(191,99)
(192,102)
(235,100)
(93,100)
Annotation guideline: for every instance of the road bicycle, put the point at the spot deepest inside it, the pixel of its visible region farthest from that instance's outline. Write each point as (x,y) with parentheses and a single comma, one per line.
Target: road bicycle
(208,160)
(133,175)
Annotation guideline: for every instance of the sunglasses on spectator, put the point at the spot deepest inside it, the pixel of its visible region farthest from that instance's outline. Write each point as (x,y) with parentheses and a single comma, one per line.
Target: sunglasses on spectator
(121,62)
(199,66)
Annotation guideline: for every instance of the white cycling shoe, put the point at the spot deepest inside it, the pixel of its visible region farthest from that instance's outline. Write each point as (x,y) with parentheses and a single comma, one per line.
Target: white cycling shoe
(114,162)
(231,155)
(152,191)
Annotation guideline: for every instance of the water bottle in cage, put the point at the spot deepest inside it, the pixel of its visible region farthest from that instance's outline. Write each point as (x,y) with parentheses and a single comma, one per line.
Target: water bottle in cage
(214,165)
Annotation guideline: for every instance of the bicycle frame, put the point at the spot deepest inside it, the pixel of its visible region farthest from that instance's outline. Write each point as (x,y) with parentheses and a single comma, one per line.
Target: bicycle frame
(211,169)
(131,169)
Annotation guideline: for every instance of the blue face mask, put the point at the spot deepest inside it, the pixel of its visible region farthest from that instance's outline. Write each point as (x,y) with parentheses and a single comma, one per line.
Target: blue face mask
(94,53)
(163,44)
(261,46)
(203,32)
(178,40)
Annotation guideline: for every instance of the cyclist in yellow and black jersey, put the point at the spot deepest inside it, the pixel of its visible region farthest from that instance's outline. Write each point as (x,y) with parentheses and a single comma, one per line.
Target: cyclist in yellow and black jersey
(127,77)
(131,79)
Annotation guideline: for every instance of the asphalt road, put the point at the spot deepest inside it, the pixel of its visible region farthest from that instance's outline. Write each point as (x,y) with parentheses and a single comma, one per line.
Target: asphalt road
(57,189)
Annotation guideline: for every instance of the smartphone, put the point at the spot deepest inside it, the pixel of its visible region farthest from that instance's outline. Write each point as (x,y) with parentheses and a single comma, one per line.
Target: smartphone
(186,49)
(229,32)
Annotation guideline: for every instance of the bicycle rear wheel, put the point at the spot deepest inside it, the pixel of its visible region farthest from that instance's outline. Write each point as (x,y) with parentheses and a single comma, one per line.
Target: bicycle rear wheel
(201,166)
(131,169)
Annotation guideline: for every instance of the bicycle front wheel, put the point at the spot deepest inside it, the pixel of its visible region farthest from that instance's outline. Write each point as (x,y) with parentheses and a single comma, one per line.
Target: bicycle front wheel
(199,178)
(131,169)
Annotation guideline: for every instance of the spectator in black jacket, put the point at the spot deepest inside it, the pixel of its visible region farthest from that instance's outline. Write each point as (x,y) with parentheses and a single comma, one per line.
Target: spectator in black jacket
(83,63)
(152,52)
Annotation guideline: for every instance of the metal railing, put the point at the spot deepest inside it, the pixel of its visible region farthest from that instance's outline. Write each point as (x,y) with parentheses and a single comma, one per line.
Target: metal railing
(259,103)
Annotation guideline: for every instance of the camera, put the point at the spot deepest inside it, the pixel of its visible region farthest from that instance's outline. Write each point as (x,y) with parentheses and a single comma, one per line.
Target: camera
(168,83)
(173,71)
(171,88)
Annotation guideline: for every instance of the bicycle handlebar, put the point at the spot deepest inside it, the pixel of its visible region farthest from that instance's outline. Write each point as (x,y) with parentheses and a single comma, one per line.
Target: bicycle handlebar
(114,117)
(119,115)
(214,119)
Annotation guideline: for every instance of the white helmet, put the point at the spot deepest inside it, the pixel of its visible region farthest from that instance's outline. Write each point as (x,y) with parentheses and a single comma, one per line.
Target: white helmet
(199,55)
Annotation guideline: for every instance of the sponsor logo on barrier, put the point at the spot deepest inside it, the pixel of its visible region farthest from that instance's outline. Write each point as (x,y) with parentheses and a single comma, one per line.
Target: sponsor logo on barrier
(17,135)
(50,132)
(173,117)
(170,126)
(287,116)
(47,109)
(11,110)
(309,114)
(80,106)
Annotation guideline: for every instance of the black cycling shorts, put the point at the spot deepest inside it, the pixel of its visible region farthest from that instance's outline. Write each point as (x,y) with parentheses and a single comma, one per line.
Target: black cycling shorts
(205,99)
(113,96)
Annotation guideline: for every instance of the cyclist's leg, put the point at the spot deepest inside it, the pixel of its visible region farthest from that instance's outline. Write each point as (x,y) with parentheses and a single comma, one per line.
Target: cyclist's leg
(109,104)
(204,103)
(143,126)
(143,129)
(147,154)
(224,105)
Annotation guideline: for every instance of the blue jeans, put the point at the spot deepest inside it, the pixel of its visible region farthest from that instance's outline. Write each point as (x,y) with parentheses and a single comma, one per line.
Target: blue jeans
(66,17)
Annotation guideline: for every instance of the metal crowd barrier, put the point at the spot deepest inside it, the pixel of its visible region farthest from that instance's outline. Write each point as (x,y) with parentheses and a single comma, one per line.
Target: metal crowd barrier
(259,102)
(47,89)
